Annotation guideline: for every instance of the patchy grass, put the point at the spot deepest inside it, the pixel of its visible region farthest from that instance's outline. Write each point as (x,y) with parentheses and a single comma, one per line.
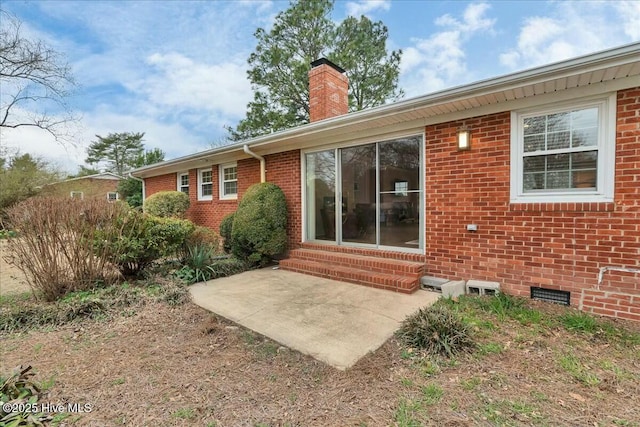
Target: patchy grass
(530,365)
(533,364)
(22,312)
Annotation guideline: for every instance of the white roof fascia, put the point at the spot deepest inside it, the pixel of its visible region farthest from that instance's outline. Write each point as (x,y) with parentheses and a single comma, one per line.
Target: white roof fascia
(610,58)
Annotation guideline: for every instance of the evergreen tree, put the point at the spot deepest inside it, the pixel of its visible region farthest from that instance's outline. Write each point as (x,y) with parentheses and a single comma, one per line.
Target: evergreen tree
(130,189)
(280,64)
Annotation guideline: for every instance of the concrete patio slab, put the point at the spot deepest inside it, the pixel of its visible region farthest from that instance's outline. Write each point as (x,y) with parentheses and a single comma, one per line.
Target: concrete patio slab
(335,322)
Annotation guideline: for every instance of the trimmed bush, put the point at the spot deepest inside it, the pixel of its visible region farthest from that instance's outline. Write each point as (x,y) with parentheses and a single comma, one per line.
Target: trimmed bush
(438,330)
(203,236)
(167,204)
(226,225)
(259,230)
(144,239)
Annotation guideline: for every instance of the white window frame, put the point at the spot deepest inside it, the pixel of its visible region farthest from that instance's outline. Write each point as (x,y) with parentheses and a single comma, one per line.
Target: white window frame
(179,185)
(76,192)
(113,192)
(605,147)
(201,183)
(221,180)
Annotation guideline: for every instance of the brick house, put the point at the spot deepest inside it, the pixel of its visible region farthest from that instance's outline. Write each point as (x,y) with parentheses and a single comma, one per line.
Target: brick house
(101,185)
(531,180)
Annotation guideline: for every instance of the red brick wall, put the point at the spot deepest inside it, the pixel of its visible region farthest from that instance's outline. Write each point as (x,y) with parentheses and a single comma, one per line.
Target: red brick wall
(328,93)
(558,246)
(283,169)
(159,183)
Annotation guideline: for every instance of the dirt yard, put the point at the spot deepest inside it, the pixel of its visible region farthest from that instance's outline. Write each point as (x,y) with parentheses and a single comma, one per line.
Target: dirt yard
(11,279)
(183,366)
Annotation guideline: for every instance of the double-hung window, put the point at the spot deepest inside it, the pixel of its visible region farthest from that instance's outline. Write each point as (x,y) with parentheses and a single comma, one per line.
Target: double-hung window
(205,184)
(564,153)
(229,181)
(183,182)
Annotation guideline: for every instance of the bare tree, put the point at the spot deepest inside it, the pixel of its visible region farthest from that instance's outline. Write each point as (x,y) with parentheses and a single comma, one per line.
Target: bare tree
(34,79)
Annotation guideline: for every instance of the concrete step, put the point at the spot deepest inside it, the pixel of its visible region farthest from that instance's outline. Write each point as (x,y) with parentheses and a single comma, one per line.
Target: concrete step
(394,282)
(364,262)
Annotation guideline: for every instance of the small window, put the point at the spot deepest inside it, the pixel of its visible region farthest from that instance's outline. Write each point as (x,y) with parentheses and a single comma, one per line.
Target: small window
(401,188)
(77,195)
(112,196)
(229,181)
(564,154)
(205,184)
(183,182)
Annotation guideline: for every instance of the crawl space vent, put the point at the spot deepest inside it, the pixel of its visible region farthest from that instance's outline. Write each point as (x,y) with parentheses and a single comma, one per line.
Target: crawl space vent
(551,295)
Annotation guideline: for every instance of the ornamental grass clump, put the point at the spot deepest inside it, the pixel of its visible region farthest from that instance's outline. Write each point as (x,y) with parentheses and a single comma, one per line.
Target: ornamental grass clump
(438,330)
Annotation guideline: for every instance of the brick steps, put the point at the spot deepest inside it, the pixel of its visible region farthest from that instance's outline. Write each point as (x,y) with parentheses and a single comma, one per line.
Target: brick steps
(376,253)
(398,275)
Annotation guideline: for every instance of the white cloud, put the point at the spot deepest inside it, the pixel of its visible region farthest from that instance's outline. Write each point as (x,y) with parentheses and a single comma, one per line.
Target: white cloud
(174,71)
(440,60)
(40,143)
(364,7)
(473,19)
(573,29)
(629,17)
(172,138)
(181,83)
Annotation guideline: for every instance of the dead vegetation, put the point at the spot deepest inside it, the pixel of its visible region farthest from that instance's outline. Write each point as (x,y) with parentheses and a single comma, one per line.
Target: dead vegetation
(181,365)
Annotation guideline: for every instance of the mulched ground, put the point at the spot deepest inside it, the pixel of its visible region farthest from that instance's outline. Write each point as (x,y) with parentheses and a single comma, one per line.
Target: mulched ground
(184,366)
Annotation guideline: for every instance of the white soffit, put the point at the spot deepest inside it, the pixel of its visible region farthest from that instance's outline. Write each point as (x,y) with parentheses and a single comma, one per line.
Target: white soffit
(605,71)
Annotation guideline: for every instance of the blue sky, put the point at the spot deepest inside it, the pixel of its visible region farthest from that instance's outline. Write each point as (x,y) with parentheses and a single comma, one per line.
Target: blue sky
(176,70)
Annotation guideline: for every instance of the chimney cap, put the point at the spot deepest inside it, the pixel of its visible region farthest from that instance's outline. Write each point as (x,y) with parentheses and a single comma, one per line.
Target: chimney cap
(325,61)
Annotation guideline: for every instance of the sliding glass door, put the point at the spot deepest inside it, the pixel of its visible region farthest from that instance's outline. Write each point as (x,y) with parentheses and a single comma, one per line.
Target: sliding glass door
(370,194)
(400,195)
(358,188)
(320,200)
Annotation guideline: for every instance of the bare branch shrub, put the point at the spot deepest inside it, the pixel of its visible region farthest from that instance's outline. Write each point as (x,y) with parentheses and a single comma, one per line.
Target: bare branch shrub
(56,243)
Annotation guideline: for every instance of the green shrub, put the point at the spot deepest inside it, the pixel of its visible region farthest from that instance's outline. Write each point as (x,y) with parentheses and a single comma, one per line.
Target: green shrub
(20,391)
(259,229)
(218,267)
(226,225)
(197,262)
(144,239)
(203,236)
(437,329)
(167,204)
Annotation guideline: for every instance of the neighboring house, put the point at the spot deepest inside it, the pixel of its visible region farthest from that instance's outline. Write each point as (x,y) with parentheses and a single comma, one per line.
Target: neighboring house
(530,179)
(101,185)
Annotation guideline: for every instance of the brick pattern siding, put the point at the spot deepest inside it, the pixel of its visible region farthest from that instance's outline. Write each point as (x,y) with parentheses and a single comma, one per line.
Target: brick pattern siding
(283,169)
(90,188)
(558,246)
(328,93)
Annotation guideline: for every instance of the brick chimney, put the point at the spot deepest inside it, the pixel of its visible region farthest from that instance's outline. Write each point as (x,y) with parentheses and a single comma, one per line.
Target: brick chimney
(328,90)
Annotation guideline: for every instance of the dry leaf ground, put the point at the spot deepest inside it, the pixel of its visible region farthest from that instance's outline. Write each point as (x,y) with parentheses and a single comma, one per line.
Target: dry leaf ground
(185,366)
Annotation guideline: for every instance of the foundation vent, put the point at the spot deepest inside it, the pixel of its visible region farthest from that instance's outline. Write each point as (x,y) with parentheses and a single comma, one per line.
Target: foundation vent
(551,295)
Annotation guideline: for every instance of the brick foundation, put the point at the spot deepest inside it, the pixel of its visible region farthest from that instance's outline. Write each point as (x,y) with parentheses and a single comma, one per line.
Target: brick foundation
(558,246)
